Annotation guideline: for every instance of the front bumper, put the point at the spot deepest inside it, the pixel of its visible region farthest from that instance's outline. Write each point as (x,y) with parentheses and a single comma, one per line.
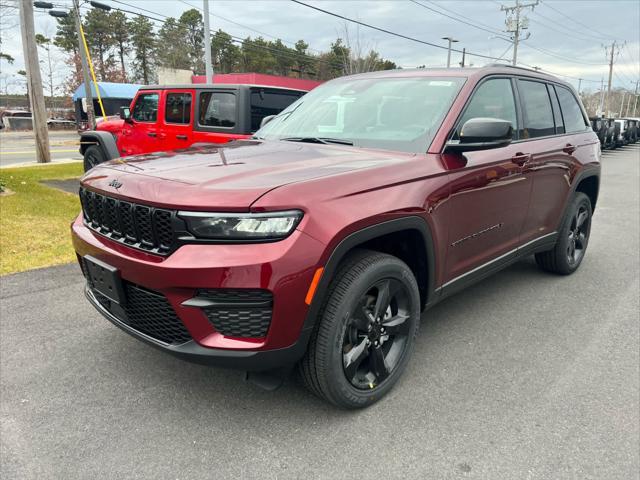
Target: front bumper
(249,360)
(284,268)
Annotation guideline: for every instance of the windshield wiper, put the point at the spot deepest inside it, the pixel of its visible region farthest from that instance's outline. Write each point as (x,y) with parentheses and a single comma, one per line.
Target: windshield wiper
(325,140)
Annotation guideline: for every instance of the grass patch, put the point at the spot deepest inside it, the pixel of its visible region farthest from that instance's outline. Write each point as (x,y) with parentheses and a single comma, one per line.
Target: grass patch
(34,219)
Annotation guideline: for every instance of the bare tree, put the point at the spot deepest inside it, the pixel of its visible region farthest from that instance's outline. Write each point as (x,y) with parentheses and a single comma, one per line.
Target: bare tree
(358,56)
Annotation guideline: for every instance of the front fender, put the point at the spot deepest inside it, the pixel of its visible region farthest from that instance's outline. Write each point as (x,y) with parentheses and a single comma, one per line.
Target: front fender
(104,139)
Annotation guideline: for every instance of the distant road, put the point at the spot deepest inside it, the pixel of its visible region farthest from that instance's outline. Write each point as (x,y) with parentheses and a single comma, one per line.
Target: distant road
(19,147)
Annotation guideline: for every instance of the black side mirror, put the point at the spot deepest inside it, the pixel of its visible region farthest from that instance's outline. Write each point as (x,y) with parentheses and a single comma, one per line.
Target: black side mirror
(266,120)
(125,114)
(482,134)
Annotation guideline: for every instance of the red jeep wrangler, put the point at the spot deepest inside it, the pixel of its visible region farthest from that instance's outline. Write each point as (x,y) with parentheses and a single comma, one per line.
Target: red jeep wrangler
(188,114)
(320,241)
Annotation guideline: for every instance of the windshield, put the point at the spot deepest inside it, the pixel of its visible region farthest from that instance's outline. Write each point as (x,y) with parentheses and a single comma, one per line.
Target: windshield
(398,113)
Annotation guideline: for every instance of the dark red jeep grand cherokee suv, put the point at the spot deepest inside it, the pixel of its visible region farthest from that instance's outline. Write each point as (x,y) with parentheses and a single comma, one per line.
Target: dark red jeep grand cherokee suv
(319,241)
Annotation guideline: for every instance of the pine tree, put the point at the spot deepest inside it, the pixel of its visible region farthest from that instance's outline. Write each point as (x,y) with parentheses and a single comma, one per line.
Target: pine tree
(120,31)
(143,41)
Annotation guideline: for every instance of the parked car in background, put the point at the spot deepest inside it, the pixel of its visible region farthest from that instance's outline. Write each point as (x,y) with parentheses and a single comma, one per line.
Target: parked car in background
(618,140)
(16,119)
(163,118)
(633,129)
(610,124)
(319,241)
(599,126)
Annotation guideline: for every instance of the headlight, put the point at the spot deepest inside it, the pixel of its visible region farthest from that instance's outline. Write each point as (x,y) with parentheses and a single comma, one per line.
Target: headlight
(241,226)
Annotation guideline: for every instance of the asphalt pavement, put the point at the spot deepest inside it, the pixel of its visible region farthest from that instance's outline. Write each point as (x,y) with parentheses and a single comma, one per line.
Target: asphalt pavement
(525,375)
(17,148)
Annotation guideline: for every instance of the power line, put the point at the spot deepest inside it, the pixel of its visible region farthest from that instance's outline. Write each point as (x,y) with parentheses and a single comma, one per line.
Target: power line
(577,35)
(458,19)
(235,39)
(457,14)
(246,26)
(489,30)
(566,59)
(605,36)
(389,32)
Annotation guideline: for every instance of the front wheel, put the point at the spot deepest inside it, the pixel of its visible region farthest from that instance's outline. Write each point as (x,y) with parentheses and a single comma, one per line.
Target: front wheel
(573,237)
(92,157)
(365,333)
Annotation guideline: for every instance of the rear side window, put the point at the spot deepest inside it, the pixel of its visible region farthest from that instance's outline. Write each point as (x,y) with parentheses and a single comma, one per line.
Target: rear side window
(265,103)
(146,108)
(571,111)
(557,115)
(538,116)
(493,99)
(217,109)
(178,108)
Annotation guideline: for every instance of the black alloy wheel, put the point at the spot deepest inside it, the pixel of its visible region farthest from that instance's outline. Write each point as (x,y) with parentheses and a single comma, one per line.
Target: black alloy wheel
(573,237)
(376,334)
(365,331)
(578,235)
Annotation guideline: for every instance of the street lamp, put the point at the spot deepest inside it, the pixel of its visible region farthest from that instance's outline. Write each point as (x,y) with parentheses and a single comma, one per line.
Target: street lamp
(451,40)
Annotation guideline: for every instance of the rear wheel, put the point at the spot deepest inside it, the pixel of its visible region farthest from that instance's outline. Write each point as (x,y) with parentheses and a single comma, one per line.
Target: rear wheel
(573,237)
(365,332)
(92,157)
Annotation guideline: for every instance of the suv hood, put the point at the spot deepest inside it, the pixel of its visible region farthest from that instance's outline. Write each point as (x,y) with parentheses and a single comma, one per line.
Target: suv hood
(229,177)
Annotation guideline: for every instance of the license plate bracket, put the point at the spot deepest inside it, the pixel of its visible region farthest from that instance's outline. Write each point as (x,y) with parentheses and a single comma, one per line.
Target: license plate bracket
(105,279)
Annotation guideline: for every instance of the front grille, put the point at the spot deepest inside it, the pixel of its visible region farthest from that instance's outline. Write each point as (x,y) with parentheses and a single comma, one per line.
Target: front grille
(140,226)
(146,311)
(239,313)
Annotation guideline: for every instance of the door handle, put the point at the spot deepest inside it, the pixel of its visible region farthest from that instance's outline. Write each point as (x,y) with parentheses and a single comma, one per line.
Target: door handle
(181,137)
(521,158)
(569,148)
(152,134)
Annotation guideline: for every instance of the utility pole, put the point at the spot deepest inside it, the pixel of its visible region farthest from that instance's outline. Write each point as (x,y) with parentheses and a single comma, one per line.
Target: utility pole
(579,84)
(516,22)
(451,40)
(635,98)
(34,82)
(601,107)
(207,43)
(464,53)
(611,58)
(91,116)
(626,112)
(622,104)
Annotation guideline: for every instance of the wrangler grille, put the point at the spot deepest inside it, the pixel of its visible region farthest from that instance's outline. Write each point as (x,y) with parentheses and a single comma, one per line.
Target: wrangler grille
(147,228)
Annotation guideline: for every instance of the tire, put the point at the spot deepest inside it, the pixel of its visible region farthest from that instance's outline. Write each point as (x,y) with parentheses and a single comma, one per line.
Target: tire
(353,359)
(92,157)
(573,238)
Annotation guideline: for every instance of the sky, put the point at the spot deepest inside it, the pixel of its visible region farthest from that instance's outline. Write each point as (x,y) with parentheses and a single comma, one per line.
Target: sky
(567,37)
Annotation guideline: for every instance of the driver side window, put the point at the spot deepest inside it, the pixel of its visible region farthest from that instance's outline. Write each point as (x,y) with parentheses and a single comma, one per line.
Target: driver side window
(146,108)
(493,99)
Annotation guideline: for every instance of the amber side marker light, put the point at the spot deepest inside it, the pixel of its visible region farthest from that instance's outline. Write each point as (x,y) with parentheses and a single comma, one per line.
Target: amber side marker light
(314,284)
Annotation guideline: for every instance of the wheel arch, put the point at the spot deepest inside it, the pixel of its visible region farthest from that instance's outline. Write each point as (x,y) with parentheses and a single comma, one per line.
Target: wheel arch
(590,186)
(379,237)
(104,140)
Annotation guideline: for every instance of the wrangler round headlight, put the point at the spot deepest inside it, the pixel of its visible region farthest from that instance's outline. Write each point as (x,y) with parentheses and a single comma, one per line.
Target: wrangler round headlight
(241,226)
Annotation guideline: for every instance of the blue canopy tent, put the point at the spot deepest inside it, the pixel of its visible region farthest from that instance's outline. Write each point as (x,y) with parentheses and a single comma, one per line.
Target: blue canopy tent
(114,96)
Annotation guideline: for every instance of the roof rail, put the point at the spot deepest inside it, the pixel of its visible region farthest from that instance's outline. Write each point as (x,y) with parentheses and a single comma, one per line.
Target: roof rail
(517,67)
